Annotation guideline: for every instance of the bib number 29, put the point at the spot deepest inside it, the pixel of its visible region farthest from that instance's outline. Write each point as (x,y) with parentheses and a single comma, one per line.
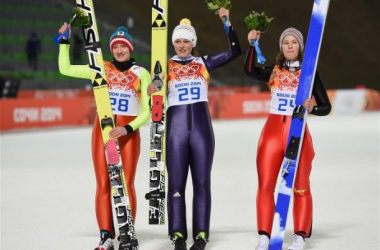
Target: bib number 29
(186,94)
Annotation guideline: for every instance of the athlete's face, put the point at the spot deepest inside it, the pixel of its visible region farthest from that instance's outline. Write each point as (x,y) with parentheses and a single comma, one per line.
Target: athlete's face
(121,52)
(183,47)
(290,48)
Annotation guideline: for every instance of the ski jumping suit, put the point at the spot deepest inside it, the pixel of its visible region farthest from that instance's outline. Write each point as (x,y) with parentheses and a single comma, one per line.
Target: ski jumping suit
(127,84)
(190,136)
(272,144)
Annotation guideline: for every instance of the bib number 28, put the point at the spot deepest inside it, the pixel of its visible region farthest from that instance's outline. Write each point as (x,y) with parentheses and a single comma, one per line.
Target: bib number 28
(119,104)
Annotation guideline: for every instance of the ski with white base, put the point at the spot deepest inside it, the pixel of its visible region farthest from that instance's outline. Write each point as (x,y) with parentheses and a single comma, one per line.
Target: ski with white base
(120,199)
(156,195)
(298,123)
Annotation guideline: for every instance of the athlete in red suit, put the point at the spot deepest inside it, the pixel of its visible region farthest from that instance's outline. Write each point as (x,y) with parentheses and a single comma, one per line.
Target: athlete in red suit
(127,86)
(282,80)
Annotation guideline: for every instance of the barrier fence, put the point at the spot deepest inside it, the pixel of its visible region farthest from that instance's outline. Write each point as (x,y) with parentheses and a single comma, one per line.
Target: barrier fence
(42,109)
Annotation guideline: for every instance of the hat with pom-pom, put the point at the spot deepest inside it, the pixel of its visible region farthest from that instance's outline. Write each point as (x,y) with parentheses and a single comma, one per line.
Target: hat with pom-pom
(185,31)
(292,32)
(122,36)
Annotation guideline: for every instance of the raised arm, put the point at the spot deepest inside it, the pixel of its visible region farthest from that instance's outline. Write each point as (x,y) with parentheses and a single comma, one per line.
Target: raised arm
(64,65)
(250,69)
(215,61)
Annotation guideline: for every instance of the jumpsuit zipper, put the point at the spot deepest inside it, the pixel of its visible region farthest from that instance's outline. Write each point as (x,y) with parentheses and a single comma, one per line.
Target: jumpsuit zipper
(189,117)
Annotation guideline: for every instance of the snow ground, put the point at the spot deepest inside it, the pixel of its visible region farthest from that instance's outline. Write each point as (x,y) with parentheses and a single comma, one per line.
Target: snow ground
(48,187)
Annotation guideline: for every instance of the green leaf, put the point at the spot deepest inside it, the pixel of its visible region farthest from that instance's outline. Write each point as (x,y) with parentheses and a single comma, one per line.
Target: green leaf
(215,5)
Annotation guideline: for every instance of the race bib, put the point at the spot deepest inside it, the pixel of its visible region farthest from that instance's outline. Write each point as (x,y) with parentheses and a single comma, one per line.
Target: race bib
(124,102)
(283,85)
(186,92)
(282,102)
(187,83)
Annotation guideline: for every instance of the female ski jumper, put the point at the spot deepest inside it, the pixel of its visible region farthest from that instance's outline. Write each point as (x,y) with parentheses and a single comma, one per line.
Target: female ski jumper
(127,85)
(190,136)
(272,144)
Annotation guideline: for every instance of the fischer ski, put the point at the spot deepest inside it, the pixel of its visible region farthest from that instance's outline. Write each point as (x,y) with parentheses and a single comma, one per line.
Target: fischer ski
(119,192)
(156,195)
(297,127)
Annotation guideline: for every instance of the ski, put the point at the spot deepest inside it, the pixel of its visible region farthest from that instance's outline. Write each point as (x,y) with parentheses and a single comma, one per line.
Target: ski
(156,195)
(298,123)
(119,192)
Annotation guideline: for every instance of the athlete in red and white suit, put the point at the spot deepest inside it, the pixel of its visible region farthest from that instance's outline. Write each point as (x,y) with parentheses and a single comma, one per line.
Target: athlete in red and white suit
(282,80)
(127,86)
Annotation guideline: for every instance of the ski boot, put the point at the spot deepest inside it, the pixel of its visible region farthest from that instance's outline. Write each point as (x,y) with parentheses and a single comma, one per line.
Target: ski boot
(200,242)
(298,243)
(263,242)
(106,242)
(179,242)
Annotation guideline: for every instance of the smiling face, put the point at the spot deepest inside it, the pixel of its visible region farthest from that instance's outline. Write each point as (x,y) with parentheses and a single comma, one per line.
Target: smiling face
(121,52)
(291,48)
(183,47)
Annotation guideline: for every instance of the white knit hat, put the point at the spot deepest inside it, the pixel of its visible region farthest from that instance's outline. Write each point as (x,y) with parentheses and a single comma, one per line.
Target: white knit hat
(292,32)
(185,31)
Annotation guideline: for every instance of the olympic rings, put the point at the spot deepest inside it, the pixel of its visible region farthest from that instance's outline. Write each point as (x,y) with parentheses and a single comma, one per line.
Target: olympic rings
(185,69)
(120,78)
(288,78)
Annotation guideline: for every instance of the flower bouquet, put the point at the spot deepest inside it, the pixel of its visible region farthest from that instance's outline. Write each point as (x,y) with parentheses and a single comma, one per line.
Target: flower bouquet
(79,20)
(215,5)
(260,22)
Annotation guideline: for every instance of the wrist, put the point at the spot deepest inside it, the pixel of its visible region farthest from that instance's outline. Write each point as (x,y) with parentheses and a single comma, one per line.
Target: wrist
(128,128)
(64,41)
